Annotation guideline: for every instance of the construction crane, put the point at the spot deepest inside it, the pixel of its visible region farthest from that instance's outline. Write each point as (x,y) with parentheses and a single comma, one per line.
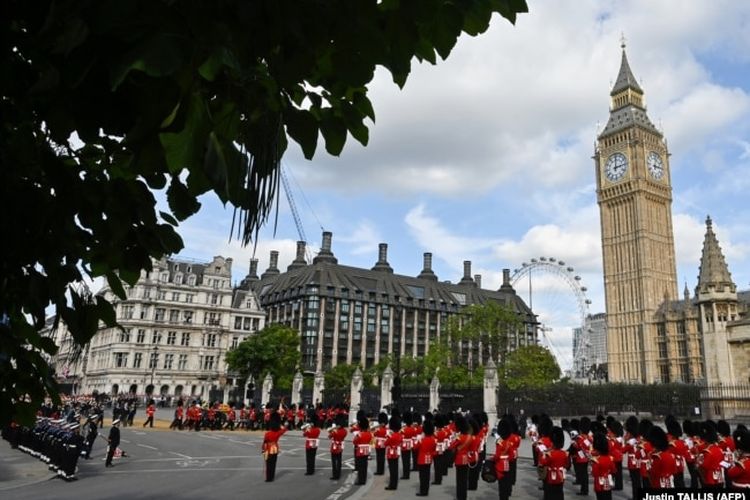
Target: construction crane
(295,212)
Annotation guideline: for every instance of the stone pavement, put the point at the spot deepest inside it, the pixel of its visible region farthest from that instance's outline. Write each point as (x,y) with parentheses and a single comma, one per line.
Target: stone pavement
(17,469)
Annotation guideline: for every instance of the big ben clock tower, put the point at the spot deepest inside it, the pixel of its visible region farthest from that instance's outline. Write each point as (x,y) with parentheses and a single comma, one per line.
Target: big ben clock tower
(635,202)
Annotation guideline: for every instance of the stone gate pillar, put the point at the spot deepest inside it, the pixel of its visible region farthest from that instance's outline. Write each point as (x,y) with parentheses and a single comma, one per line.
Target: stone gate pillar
(297,389)
(318,386)
(434,393)
(386,386)
(355,396)
(491,382)
(265,396)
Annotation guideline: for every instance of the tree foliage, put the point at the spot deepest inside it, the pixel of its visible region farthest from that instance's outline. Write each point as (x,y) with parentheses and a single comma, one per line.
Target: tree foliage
(339,377)
(531,366)
(489,325)
(274,350)
(106,101)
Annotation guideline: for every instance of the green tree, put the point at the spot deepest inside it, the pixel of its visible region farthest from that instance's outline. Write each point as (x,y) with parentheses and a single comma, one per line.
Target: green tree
(106,101)
(530,366)
(488,325)
(340,377)
(274,349)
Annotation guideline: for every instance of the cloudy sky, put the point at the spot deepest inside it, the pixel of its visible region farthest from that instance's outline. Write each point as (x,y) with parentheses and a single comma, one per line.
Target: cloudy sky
(487,156)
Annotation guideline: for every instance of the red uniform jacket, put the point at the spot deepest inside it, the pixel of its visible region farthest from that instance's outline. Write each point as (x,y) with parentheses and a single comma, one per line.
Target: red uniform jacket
(427,450)
(515,440)
(362,442)
(408,438)
(393,446)
(709,465)
(679,449)
(381,433)
(582,446)
(556,462)
(271,441)
(663,469)
(337,437)
(504,449)
(462,445)
(311,437)
(150,410)
(602,468)
(739,473)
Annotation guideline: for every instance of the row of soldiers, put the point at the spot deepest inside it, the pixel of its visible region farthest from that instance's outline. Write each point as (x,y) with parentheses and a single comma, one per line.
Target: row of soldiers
(58,443)
(429,444)
(708,452)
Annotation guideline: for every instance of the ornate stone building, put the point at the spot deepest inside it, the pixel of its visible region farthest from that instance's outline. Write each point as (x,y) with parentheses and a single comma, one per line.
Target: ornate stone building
(652,335)
(352,315)
(178,322)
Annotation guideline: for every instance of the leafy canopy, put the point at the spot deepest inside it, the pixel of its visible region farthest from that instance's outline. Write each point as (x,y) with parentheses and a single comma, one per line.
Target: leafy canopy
(531,366)
(274,350)
(190,97)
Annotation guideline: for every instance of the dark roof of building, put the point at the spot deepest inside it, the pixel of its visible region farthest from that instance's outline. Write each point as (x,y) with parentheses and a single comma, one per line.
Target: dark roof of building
(628,116)
(358,283)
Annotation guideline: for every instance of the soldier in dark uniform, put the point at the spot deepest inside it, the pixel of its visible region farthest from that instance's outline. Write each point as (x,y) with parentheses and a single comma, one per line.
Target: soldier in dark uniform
(114,442)
(93,432)
(72,444)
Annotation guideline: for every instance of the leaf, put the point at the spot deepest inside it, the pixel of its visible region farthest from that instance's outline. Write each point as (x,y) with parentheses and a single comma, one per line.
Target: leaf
(116,285)
(159,55)
(168,218)
(334,132)
(185,148)
(181,202)
(302,126)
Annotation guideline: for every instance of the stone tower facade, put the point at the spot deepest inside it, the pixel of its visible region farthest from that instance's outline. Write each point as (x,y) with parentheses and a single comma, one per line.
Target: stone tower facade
(634,193)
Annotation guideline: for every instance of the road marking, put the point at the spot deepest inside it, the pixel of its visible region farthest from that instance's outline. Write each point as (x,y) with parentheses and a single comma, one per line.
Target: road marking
(180,455)
(212,469)
(344,489)
(146,446)
(125,441)
(139,433)
(349,463)
(194,463)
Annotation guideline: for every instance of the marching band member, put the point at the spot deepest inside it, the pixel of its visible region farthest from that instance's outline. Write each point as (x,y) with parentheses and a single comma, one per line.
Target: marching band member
(739,473)
(726,443)
(533,434)
(270,445)
(441,438)
(602,467)
(504,449)
(581,451)
(662,462)
(393,450)
(555,461)
(616,443)
(692,441)
(178,414)
(311,433)
(630,447)
(515,439)
(416,437)
(381,433)
(475,463)
(644,450)
(461,446)
(679,449)
(425,454)
(407,444)
(711,461)
(544,443)
(337,434)
(362,442)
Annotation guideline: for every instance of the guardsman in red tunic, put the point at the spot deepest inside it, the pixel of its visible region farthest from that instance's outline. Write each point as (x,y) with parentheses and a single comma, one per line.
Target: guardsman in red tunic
(381,433)
(602,468)
(726,443)
(150,411)
(407,443)
(615,442)
(515,440)
(300,416)
(393,450)
(581,454)
(555,462)
(179,412)
(362,442)
(462,447)
(663,465)
(711,463)
(475,463)
(417,436)
(271,444)
(504,449)
(630,447)
(243,424)
(679,449)
(425,456)
(544,442)
(643,451)
(691,441)
(311,433)
(739,473)
(337,434)
(231,418)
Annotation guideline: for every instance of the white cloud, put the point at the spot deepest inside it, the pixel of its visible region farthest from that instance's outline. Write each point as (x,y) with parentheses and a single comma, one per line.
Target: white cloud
(364,239)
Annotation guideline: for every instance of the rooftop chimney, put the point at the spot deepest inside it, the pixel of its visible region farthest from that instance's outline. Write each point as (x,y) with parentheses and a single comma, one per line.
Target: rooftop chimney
(325,254)
(299,260)
(253,273)
(506,281)
(273,268)
(427,273)
(382,263)
(478,280)
(466,280)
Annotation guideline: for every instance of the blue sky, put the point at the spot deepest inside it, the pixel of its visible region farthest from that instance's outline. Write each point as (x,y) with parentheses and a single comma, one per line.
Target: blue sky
(487,156)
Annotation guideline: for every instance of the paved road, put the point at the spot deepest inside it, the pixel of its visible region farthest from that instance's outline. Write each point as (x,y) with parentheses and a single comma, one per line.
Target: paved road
(198,465)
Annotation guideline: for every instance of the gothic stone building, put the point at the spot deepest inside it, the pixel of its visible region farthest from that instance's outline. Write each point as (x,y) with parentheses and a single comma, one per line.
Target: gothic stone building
(357,316)
(652,336)
(178,322)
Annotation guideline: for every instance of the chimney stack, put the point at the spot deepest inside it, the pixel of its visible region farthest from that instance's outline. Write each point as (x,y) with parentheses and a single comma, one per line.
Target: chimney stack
(478,280)
(325,254)
(382,263)
(506,281)
(427,273)
(466,280)
(272,266)
(299,260)
(253,273)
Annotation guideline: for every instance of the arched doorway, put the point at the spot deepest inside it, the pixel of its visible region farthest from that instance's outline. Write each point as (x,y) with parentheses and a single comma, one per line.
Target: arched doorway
(178,391)
(164,390)
(150,389)
(115,389)
(133,389)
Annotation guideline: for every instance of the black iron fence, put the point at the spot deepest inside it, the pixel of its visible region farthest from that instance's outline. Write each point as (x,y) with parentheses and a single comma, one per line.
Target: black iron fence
(574,399)
(726,400)
(453,398)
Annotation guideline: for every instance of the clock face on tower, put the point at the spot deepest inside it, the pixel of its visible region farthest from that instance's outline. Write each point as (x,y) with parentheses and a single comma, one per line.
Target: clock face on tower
(655,165)
(616,166)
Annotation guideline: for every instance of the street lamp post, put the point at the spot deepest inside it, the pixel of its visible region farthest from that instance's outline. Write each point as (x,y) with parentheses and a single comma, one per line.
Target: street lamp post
(154,360)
